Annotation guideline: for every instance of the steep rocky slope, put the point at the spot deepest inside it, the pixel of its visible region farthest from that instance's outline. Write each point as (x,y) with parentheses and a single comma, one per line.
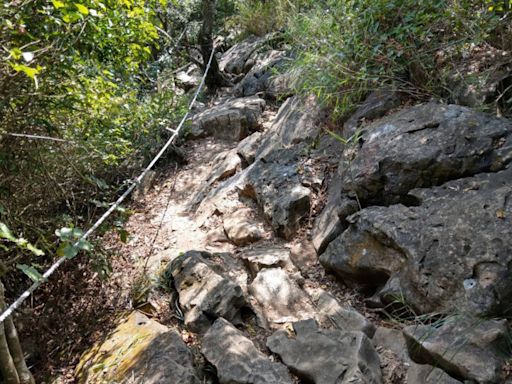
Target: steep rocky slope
(277,231)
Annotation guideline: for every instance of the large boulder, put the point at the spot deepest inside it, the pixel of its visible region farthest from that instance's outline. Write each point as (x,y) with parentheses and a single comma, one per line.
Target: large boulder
(208,288)
(423,146)
(138,350)
(322,356)
(466,348)
(232,120)
(237,360)
(420,146)
(454,250)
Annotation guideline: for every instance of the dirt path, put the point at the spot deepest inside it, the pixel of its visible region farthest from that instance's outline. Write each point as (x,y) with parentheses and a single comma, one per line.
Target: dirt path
(163,223)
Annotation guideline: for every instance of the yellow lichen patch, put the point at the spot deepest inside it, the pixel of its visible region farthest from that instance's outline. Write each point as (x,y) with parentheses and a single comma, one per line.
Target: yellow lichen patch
(112,359)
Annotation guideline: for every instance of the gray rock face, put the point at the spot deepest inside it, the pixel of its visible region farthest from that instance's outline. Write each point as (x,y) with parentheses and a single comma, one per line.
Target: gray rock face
(241,229)
(454,250)
(392,339)
(280,298)
(274,182)
(237,360)
(427,374)
(388,340)
(377,104)
(248,147)
(266,256)
(423,146)
(206,291)
(277,178)
(332,220)
(260,75)
(467,348)
(242,56)
(233,120)
(297,121)
(324,356)
(224,165)
(283,84)
(344,318)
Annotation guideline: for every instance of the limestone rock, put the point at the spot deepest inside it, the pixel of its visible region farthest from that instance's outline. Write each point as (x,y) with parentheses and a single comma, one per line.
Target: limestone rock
(427,374)
(266,256)
(298,121)
(274,182)
(283,84)
(241,229)
(242,56)
(324,356)
(344,318)
(454,250)
(189,77)
(280,298)
(217,235)
(329,224)
(420,146)
(237,360)
(377,104)
(248,147)
(392,339)
(468,348)
(423,146)
(206,290)
(139,350)
(260,75)
(225,165)
(303,256)
(232,120)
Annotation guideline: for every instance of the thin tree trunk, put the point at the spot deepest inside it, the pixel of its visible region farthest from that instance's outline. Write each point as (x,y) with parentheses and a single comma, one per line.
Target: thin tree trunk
(17,353)
(214,78)
(12,362)
(7,367)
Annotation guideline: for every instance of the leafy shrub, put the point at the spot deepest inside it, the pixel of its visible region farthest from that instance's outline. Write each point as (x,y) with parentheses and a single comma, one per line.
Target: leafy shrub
(349,48)
(75,71)
(256,17)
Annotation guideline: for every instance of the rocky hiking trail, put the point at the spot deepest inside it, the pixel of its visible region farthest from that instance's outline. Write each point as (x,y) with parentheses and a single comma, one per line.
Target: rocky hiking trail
(278,254)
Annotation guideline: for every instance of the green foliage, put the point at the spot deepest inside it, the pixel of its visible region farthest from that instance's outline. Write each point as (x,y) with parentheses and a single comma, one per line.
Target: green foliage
(78,71)
(71,242)
(6,234)
(349,48)
(256,17)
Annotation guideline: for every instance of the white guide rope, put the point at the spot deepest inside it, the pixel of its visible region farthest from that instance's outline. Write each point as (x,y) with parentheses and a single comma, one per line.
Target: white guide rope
(16,304)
